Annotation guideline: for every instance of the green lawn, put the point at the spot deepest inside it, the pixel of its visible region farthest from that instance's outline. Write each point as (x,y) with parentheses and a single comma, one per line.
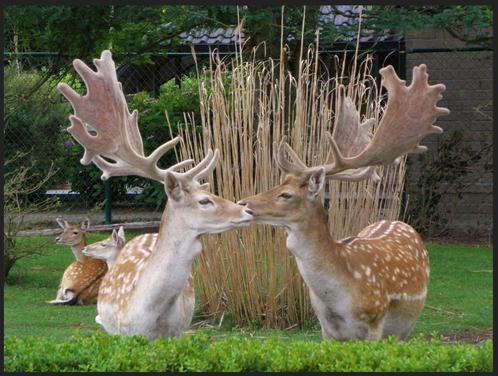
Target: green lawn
(460,296)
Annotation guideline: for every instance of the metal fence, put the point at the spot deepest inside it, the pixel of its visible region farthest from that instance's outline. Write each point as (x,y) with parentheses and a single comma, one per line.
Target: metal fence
(36,117)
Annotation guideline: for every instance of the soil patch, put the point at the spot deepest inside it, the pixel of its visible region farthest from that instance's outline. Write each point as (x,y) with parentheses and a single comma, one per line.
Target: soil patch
(468,336)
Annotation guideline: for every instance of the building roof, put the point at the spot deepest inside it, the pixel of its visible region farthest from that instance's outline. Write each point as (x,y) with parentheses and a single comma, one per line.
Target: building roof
(348,15)
(339,15)
(213,37)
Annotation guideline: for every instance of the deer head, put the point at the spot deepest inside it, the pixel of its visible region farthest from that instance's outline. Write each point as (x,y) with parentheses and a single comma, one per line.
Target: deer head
(199,210)
(292,200)
(72,234)
(107,249)
(354,152)
(104,109)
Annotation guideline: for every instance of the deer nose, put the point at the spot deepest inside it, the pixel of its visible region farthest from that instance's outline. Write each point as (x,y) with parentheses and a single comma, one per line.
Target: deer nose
(57,239)
(241,202)
(249,211)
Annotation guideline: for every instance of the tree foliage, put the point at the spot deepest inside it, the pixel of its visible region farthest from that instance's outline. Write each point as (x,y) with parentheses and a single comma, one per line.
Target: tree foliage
(471,24)
(84,30)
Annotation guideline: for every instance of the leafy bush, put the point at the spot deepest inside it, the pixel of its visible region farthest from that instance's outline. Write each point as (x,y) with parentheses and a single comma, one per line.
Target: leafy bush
(200,352)
(34,125)
(86,179)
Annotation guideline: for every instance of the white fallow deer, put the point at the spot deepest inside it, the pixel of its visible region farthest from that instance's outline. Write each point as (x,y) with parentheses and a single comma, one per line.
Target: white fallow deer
(107,249)
(374,284)
(148,290)
(81,280)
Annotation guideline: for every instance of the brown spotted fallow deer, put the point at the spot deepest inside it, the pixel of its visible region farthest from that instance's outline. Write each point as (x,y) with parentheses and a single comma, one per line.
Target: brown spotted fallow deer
(148,290)
(374,284)
(107,249)
(81,280)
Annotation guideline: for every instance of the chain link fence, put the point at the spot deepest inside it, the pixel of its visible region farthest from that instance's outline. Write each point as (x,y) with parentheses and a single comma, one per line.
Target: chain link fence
(36,118)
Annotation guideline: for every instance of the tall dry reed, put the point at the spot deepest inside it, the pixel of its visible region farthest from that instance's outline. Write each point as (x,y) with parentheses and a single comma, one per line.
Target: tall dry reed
(246,105)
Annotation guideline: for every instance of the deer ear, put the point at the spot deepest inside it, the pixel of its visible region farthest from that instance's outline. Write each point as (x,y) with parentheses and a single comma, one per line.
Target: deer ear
(63,224)
(85,225)
(173,186)
(121,234)
(118,236)
(315,182)
(114,236)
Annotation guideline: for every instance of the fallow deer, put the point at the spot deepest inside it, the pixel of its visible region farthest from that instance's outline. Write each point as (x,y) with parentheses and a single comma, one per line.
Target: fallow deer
(81,279)
(373,284)
(148,290)
(107,249)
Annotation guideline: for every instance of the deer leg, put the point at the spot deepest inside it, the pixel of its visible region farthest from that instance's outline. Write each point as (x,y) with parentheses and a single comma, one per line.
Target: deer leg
(68,298)
(374,332)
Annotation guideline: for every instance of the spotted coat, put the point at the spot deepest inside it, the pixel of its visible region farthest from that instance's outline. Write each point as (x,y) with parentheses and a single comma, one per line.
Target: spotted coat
(119,283)
(385,262)
(83,279)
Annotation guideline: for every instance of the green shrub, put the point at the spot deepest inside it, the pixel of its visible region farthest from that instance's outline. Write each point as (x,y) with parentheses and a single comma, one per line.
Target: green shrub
(200,352)
(34,125)
(86,179)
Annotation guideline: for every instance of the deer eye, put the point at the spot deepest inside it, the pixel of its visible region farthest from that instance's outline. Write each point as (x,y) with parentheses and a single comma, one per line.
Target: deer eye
(285,195)
(103,244)
(205,201)
(75,232)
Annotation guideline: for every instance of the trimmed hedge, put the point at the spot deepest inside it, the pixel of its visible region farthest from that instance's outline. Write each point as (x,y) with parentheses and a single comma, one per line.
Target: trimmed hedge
(200,352)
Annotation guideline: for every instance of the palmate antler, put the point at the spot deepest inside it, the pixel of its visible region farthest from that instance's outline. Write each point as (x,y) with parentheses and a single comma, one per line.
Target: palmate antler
(105,110)
(408,118)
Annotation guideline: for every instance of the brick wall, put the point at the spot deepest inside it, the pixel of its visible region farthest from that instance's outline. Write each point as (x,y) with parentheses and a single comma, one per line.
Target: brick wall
(468,80)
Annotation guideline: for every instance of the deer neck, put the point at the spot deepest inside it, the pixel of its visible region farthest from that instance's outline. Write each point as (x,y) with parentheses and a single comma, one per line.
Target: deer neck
(168,268)
(78,250)
(309,240)
(110,262)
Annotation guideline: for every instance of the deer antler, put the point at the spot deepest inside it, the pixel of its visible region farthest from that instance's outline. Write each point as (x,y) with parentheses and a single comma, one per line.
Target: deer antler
(408,118)
(104,109)
(202,170)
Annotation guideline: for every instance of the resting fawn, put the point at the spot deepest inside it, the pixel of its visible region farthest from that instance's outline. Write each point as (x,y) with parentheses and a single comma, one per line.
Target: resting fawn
(107,249)
(81,279)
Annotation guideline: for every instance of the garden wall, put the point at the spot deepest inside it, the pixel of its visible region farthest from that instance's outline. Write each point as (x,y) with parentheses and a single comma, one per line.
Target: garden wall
(467,210)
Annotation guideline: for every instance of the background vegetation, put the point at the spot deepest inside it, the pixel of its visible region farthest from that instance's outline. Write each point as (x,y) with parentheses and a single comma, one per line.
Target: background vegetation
(84,30)
(135,32)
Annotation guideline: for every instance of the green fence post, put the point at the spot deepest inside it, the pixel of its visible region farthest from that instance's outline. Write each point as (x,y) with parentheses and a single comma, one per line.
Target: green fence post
(108,201)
